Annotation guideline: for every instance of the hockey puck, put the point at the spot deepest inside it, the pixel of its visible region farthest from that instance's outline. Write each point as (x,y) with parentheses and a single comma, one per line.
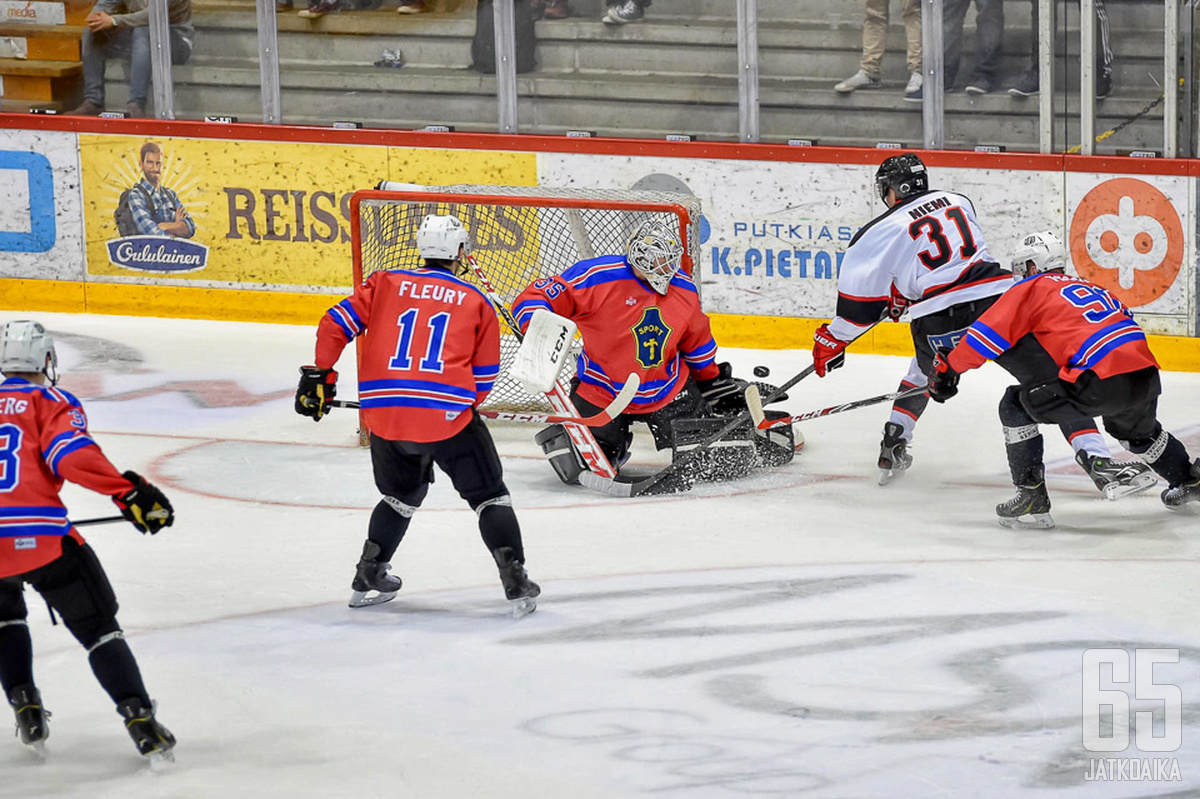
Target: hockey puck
(762,371)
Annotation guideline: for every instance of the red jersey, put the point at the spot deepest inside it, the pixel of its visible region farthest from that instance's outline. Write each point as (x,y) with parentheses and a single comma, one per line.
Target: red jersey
(627,327)
(1081,325)
(43,440)
(431,351)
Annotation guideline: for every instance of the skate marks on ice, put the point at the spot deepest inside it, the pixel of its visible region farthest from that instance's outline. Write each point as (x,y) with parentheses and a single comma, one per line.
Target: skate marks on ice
(797,681)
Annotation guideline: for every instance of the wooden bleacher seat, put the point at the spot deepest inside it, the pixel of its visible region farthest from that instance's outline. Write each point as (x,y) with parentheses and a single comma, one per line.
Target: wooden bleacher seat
(51,73)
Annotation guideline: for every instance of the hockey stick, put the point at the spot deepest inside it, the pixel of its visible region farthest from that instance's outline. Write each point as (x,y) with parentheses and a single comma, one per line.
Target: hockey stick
(98,520)
(597,462)
(754,403)
(638,486)
(614,409)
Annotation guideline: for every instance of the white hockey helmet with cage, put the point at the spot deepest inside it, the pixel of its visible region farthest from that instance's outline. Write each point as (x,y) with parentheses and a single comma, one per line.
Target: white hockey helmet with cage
(655,253)
(441,237)
(26,348)
(1038,253)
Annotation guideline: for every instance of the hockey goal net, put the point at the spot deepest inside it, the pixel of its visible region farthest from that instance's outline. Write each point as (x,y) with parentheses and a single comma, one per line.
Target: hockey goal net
(518,234)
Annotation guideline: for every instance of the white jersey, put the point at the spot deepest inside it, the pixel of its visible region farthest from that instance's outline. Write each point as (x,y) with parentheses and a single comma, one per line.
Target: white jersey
(930,248)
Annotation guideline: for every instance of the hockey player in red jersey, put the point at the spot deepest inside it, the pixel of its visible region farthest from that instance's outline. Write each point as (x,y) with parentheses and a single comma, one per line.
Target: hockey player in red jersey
(430,355)
(1105,366)
(44,440)
(926,254)
(636,313)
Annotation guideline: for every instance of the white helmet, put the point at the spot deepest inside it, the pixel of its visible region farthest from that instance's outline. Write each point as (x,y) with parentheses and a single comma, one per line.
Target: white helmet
(26,347)
(1038,253)
(655,253)
(441,237)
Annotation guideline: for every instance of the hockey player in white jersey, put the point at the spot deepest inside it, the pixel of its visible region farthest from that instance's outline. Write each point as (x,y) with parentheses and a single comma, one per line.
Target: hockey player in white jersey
(927,254)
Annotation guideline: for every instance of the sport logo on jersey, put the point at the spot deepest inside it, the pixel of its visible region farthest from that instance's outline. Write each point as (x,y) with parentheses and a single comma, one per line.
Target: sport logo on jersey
(651,334)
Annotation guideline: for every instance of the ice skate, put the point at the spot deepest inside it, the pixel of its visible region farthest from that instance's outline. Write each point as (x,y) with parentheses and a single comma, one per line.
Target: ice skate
(32,725)
(521,592)
(1029,509)
(1117,478)
(1176,497)
(372,585)
(151,738)
(893,453)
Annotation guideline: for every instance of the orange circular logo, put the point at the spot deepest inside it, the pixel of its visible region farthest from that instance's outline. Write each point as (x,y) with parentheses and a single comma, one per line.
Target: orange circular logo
(1126,237)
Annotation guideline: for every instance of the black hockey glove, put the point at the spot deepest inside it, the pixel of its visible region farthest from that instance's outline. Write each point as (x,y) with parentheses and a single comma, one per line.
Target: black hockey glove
(943,381)
(724,394)
(315,394)
(145,506)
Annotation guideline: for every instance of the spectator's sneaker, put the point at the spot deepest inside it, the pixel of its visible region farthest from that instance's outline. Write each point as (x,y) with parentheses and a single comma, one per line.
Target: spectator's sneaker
(319,8)
(980,84)
(1027,86)
(86,109)
(412,7)
(623,13)
(135,110)
(555,9)
(913,91)
(859,80)
(1103,85)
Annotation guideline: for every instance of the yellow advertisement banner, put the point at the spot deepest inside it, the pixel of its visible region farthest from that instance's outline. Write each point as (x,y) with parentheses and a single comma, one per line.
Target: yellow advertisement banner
(248,212)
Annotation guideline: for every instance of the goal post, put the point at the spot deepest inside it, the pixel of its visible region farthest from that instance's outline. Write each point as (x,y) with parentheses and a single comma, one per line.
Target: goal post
(518,235)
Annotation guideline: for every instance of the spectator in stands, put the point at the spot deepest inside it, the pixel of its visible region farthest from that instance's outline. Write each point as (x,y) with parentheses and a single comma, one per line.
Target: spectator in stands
(989,36)
(550,9)
(120,28)
(1027,85)
(874,34)
(156,209)
(625,11)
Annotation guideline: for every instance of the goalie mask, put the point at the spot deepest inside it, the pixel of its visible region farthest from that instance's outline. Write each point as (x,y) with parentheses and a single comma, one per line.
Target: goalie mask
(441,237)
(903,173)
(1038,253)
(655,254)
(26,348)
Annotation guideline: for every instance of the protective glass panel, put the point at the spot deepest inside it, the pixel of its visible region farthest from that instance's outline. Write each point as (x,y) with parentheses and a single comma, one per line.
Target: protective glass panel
(840,73)
(189,52)
(632,68)
(382,63)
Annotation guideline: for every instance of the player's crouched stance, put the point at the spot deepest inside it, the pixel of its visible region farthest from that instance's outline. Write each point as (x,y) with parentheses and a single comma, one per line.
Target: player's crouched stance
(431,353)
(1106,369)
(44,440)
(637,312)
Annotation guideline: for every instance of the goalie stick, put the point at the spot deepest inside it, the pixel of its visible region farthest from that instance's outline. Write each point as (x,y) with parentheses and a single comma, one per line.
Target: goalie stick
(560,400)
(614,409)
(755,404)
(634,487)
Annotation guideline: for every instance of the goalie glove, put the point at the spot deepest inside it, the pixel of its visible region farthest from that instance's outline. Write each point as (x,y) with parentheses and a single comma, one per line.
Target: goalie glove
(828,352)
(724,394)
(144,506)
(897,304)
(943,380)
(315,394)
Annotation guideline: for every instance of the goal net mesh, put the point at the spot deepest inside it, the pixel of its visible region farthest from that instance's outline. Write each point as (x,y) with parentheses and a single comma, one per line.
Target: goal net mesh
(518,234)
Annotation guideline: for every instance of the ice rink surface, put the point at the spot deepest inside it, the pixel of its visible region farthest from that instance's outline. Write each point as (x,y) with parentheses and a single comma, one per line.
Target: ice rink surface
(802,633)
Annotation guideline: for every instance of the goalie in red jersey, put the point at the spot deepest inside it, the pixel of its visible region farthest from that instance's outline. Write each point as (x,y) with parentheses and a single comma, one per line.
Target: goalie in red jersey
(638,313)
(431,354)
(1106,369)
(44,441)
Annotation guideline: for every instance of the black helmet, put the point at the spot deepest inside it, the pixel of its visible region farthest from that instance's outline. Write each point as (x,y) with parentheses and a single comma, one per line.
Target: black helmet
(904,173)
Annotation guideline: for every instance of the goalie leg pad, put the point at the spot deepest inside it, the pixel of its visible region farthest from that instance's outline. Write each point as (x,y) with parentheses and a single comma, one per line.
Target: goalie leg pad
(556,444)
(733,456)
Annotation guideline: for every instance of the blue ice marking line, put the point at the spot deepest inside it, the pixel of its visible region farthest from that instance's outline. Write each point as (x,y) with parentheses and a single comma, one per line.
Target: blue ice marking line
(42,229)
